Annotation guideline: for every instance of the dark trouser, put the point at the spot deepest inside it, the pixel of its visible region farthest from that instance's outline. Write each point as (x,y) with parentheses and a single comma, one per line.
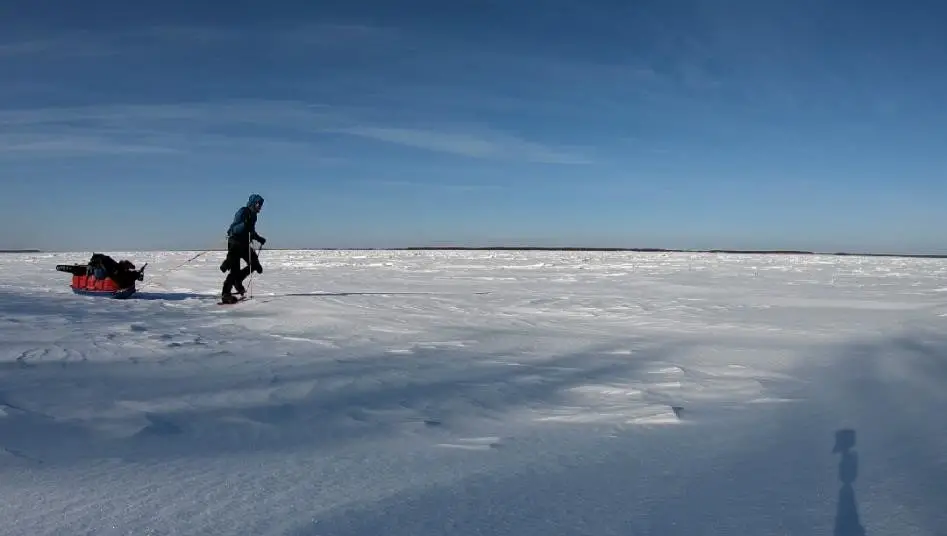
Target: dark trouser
(237,251)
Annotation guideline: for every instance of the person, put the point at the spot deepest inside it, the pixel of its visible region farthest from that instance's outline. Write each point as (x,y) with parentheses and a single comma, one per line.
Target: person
(239,236)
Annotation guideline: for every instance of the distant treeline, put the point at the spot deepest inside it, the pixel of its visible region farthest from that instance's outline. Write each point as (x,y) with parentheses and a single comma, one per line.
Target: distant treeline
(20,251)
(643,250)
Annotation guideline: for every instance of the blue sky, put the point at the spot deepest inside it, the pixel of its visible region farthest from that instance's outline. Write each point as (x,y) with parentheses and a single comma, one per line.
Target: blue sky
(668,123)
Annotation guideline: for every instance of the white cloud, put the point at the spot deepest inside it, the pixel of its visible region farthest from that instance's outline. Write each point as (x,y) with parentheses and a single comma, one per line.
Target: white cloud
(285,125)
(446,187)
(490,145)
(303,37)
(122,129)
(73,146)
(65,46)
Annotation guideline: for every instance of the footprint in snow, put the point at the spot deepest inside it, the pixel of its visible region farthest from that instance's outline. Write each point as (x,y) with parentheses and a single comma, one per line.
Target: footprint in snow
(473,443)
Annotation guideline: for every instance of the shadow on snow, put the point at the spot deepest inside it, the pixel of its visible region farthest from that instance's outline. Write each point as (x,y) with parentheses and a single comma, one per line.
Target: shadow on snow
(311,401)
(765,478)
(172,296)
(775,474)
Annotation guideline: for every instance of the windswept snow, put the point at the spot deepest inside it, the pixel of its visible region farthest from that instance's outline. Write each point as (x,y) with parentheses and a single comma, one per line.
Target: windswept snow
(476,392)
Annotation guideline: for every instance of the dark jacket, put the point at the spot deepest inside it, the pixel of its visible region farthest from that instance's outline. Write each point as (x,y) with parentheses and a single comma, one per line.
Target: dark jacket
(243,228)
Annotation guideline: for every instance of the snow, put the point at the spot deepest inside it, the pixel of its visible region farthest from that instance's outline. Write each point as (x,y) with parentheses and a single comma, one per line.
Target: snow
(478,392)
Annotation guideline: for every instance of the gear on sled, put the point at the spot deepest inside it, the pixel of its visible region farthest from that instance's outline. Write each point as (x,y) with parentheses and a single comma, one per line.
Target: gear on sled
(104,276)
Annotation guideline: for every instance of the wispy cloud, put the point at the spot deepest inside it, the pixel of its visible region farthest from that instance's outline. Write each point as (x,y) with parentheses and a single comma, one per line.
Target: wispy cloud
(197,127)
(489,145)
(297,38)
(444,187)
(71,45)
(334,35)
(169,128)
(19,48)
(68,145)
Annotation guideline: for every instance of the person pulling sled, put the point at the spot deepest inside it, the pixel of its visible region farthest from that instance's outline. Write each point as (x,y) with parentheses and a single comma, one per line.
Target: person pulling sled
(239,236)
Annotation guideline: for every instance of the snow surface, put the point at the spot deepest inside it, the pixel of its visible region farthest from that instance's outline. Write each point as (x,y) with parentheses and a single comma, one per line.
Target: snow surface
(477,392)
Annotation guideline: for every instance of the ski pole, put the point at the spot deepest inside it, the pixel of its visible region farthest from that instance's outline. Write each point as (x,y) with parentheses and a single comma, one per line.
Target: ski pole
(250,290)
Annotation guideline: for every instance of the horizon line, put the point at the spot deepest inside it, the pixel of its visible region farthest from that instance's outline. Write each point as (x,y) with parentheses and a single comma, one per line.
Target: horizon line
(547,248)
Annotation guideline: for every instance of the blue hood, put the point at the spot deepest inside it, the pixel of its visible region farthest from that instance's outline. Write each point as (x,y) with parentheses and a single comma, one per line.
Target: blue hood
(254,199)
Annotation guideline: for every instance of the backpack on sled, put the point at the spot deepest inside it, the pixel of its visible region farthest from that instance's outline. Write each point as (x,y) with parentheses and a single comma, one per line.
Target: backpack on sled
(104,276)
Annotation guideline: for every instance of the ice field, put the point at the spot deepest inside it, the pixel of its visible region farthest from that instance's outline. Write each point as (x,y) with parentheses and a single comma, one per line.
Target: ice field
(474,392)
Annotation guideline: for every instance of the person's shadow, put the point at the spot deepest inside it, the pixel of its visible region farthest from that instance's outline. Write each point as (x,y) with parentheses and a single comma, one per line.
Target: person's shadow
(847,522)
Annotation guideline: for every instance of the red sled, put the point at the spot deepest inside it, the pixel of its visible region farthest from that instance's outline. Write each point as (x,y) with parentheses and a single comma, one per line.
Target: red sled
(104,277)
